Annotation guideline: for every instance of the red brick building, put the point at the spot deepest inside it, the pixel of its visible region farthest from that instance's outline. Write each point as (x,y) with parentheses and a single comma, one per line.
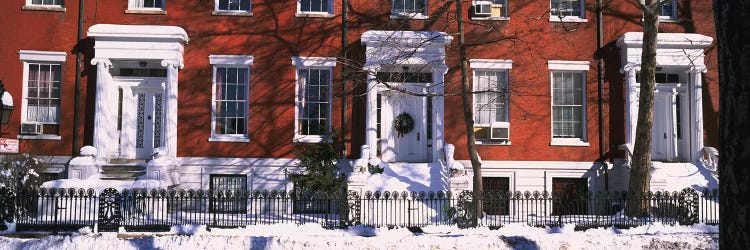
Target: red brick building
(227,88)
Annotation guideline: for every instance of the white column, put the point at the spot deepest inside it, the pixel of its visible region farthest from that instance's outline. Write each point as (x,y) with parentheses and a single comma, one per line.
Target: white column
(438,111)
(631,101)
(103,115)
(170,109)
(371,136)
(128,132)
(696,114)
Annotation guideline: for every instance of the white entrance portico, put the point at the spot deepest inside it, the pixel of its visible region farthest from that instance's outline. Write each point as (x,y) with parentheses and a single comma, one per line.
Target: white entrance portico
(136,89)
(405,77)
(677,134)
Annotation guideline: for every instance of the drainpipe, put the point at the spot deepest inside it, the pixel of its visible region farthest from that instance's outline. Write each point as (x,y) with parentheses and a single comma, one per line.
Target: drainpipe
(344,73)
(77,102)
(600,82)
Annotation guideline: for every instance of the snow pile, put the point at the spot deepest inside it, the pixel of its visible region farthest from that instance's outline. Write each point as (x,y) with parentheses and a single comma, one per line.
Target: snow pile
(409,177)
(98,184)
(312,236)
(676,176)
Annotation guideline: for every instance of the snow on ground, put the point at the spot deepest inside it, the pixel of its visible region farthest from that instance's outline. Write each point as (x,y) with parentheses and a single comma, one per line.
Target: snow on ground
(409,177)
(98,184)
(312,236)
(677,176)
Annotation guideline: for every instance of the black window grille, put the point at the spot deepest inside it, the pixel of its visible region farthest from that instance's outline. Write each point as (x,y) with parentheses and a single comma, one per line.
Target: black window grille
(233,198)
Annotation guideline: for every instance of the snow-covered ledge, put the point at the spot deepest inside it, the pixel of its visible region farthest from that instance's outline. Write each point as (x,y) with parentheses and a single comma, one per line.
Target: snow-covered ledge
(84,166)
(164,168)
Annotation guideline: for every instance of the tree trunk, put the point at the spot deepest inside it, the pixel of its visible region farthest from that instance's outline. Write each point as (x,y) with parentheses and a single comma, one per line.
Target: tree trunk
(639,170)
(734,86)
(476,165)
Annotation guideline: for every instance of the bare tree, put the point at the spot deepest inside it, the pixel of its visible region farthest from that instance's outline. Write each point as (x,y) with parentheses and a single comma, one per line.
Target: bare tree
(734,86)
(639,169)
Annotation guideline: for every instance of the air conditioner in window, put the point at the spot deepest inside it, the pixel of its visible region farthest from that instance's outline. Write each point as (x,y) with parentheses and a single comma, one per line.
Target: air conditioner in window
(31,128)
(482,8)
(500,131)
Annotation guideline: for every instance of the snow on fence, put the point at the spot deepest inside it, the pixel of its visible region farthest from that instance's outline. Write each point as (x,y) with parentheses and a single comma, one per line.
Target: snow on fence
(159,209)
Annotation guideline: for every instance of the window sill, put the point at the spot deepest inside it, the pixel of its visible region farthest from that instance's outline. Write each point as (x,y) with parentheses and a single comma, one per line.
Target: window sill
(413,16)
(314,15)
(231,13)
(569,143)
(43,8)
(668,20)
(492,18)
(229,139)
(39,137)
(486,143)
(146,12)
(310,139)
(567,19)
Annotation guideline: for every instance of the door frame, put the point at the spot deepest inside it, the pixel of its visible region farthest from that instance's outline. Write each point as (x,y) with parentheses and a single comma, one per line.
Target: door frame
(130,87)
(387,115)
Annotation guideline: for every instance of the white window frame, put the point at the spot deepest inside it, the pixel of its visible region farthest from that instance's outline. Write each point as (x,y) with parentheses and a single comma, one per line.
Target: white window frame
(35,56)
(556,66)
(322,63)
(498,65)
(505,14)
(218,11)
(301,13)
(410,15)
(30,5)
(581,18)
(673,17)
(230,61)
(134,8)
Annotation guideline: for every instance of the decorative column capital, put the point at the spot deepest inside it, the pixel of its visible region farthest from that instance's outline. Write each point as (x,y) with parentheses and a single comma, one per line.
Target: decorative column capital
(105,61)
(440,68)
(371,68)
(630,67)
(176,64)
(698,69)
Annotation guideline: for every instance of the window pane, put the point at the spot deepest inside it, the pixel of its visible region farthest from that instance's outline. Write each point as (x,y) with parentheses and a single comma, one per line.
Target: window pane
(567,104)
(231,103)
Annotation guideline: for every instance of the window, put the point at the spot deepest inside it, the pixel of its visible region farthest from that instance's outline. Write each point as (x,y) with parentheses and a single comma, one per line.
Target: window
(491,118)
(324,7)
(668,10)
(44,5)
(569,102)
(148,5)
(234,188)
(313,97)
(233,6)
(409,8)
(496,195)
(40,115)
(489,9)
(230,91)
(567,11)
(569,196)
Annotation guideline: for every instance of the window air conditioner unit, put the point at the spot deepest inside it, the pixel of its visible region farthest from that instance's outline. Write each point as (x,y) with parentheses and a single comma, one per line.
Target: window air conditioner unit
(31,128)
(499,131)
(483,8)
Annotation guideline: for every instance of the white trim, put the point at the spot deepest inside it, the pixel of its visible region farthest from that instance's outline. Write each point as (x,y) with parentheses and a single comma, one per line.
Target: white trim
(301,13)
(491,64)
(132,5)
(230,60)
(573,142)
(302,61)
(568,65)
(30,3)
(43,56)
(567,19)
(40,137)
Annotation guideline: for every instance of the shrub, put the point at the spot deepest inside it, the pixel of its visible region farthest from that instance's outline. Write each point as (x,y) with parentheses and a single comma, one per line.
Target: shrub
(320,170)
(20,172)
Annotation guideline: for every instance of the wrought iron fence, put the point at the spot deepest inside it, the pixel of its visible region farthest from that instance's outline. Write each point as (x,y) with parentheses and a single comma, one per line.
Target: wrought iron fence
(158,210)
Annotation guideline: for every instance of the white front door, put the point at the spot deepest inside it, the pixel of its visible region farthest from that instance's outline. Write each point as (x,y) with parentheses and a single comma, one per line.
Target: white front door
(149,121)
(663,133)
(410,146)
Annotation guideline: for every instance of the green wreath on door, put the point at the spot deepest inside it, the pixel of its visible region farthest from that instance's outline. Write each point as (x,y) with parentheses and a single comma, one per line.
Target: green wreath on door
(403,123)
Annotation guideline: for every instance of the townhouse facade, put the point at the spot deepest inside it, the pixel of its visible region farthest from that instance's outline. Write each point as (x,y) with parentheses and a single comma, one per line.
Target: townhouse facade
(226,89)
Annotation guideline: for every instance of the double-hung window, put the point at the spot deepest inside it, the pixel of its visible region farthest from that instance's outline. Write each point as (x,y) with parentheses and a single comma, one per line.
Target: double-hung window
(230,91)
(42,80)
(314,7)
(668,10)
(146,5)
(239,7)
(567,11)
(409,8)
(491,116)
(569,102)
(313,97)
(45,5)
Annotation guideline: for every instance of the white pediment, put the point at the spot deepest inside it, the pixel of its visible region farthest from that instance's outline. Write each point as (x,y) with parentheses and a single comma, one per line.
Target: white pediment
(405,47)
(138,42)
(673,49)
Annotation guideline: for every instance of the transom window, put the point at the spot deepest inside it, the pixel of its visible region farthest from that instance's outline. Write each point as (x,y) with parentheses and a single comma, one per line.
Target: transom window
(315,6)
(53,3)
(567,104)
(410,7)
(147,4)
(233,5)
(559,9)
(231,88)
